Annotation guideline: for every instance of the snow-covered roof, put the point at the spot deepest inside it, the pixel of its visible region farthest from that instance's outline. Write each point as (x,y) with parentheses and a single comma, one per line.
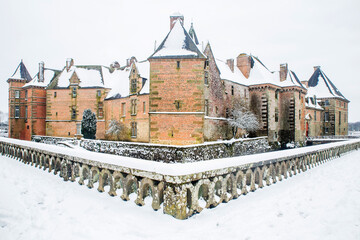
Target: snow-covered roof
(177,44)
(49,75)
(321,86)
(312,102)
(192,34)
(120,84)
(259,74)
(21,73)
(90,76)
(176,14)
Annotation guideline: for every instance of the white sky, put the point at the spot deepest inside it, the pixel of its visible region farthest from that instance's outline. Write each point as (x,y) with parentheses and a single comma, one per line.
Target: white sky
(302,33)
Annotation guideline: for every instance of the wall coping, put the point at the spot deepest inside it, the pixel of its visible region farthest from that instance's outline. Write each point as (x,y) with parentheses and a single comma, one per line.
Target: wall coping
(174,172)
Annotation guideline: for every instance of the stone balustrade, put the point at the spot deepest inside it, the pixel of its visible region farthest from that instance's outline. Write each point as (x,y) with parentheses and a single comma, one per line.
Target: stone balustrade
(180,189)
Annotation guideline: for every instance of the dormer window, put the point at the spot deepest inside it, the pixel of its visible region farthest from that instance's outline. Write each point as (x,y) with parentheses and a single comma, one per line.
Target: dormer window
(133,86)
(74,92)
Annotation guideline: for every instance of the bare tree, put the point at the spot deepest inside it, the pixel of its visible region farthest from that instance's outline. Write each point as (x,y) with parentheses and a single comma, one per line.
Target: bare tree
(117,131)
(243,118)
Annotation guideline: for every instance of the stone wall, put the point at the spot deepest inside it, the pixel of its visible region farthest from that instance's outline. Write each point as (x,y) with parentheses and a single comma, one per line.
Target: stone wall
(177,192)
(168,154)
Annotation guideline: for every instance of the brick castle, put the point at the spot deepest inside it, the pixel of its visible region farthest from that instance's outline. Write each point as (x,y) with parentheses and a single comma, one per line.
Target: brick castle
(182,94)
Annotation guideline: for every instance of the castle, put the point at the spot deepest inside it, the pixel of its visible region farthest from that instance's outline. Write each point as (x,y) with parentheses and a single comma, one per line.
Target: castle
(181,95)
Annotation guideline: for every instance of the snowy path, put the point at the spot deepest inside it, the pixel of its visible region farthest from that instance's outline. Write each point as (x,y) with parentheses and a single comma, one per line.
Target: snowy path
(322,203)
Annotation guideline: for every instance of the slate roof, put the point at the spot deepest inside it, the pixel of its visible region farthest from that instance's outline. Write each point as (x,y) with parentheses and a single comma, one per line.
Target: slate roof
(49,76)
(21,72)
(192,34)
(321,86)
(177,44)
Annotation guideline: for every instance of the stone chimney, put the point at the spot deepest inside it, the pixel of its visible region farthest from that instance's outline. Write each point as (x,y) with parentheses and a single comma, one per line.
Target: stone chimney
(283,71)
(69,63)
(316,67)
(41,71)
(243,62)
(230,63)
(174,17)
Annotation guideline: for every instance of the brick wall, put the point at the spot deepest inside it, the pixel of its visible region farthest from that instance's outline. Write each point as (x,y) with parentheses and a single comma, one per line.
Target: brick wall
(60,102)
(176,90)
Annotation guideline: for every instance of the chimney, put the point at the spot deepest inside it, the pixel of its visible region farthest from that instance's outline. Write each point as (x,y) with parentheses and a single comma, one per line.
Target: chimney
(69,63)
(283,71)
(174,17)
(230,63)
(41,71)
(244,63)
(316,67)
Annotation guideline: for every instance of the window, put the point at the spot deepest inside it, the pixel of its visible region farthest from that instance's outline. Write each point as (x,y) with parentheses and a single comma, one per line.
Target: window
(177,64)
(206,77)
(98,93)
(345,117)
(326,116)
(315,115)
(123,109)
(26,94)
(232,90)
(133,107)
(17,111)
(55,95)
(133,129)
(327,103)
(244,93)
(339,117)
(74,92)
(177,104)
(56,114)
(299,95)
(326,130)
(100,110)
(344,105)
(299,114)
(73,112)
(133,86)
(276,94)
(78,128)
(26,113)
(276,114)
(17,94)
(206,107)
(144,107)
(206,64)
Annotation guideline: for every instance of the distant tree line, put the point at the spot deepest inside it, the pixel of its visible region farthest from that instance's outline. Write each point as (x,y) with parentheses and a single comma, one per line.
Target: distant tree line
(354,126)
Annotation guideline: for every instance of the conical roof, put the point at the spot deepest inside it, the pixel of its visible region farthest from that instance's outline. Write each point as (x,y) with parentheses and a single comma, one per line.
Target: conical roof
(177,44)
(192,34)
(21,73)
(321,86)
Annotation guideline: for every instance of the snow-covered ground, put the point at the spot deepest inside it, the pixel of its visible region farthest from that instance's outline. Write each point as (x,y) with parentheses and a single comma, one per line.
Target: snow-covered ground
(322,203)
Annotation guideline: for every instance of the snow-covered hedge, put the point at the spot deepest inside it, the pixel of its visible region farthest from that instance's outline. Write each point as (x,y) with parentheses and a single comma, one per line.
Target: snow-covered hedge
(166,153)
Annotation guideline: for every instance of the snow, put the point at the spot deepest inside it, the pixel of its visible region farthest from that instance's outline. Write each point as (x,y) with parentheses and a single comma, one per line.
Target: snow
(89,77)
(119,83)
(321,203)
(323,89)
(177,169)
(48,76)
(259,74)
(175,43)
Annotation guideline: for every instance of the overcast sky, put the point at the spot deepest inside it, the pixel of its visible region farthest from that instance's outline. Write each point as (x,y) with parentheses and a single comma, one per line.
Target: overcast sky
(303,33)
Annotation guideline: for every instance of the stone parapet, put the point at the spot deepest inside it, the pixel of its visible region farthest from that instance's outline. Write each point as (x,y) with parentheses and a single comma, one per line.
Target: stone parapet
(168,153)
(181,189)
